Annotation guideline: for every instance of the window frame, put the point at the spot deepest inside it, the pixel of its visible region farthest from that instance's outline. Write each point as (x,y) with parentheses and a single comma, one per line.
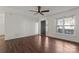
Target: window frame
(59,25)
(63,29)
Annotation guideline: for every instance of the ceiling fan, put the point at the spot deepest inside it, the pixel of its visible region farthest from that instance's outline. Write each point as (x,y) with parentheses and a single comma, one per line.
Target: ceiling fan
(39,10)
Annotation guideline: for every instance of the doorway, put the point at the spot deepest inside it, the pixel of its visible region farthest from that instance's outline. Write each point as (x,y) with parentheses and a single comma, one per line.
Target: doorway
(43,27)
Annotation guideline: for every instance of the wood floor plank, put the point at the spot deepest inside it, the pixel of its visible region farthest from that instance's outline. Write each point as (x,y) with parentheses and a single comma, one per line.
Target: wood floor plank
(40,44)
(2,44)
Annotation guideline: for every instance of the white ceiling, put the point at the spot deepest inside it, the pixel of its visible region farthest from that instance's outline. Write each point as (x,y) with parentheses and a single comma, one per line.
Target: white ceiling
(53,10)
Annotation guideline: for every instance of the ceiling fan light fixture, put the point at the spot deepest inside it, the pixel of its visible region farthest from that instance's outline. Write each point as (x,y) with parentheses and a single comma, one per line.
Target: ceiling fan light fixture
(39,10)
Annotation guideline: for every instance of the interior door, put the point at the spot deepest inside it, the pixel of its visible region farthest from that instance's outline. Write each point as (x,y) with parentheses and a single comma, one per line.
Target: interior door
(43,27)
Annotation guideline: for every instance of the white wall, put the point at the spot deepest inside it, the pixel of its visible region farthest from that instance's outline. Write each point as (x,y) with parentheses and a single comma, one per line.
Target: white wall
(17,25)
(52,25)
(2,23)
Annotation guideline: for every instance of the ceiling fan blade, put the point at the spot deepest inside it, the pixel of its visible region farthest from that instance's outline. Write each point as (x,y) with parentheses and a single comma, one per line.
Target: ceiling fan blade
(41,13)
(39,8)
(32,10)
(45,11)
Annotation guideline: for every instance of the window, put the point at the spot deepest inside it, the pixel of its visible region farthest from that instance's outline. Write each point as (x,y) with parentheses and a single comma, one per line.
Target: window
(66,25)
(60,25)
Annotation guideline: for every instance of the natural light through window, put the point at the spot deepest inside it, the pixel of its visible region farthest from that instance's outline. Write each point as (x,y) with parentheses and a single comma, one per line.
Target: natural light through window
(66,25)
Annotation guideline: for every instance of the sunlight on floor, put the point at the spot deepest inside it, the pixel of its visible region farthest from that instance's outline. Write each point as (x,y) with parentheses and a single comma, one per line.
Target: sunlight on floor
(39,41)
(65,47)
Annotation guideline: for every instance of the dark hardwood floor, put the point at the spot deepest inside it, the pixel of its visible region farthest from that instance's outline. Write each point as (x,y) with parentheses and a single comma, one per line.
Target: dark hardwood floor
(40,44)
(2,44)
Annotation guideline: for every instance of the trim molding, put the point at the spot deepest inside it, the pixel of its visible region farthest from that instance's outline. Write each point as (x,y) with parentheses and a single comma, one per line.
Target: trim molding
(2,35)
(49,37)
(63,40)
(23,37)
